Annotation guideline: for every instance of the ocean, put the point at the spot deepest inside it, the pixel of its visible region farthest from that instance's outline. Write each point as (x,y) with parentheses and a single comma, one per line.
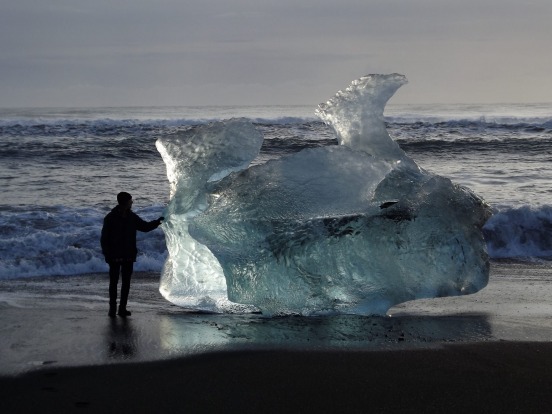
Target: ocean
(61,169)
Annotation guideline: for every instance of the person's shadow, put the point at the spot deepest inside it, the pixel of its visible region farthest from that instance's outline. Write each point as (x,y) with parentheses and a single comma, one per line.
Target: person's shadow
(120,338)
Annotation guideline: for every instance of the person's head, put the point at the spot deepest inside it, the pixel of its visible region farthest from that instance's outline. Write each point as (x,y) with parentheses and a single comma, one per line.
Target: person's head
(124,199)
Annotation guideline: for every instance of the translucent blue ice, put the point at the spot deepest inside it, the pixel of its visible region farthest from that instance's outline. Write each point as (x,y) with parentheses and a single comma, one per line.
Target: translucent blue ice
(352,228)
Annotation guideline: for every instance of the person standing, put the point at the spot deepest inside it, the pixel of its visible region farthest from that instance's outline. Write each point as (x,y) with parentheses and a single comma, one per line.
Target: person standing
(118,241)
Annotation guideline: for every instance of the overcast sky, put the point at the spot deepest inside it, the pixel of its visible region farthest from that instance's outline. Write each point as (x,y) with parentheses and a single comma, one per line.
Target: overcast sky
(250,52)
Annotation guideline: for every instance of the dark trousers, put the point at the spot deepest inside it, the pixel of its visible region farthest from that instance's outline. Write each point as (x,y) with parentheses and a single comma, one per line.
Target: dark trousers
(125,269)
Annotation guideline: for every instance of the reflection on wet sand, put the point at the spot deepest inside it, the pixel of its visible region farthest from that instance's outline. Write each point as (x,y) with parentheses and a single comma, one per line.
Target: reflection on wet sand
(120,339)
(42,326)
(185,332)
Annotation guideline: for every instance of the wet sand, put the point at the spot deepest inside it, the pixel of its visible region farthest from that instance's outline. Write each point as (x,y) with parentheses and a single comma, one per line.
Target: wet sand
(487,352)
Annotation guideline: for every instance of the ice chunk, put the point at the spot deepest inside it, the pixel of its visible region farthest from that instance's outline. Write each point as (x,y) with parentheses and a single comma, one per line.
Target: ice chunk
(204,154)
(192,276)
(352,228)
(356,115)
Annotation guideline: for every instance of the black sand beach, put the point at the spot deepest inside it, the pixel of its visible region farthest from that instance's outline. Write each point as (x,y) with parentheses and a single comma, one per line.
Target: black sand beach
(487,352)
(511,377)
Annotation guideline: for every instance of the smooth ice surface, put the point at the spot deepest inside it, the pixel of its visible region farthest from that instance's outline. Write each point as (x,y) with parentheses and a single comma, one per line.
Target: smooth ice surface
(351,228)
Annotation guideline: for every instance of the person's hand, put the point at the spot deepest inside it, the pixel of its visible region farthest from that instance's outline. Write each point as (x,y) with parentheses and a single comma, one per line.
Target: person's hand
(160,219)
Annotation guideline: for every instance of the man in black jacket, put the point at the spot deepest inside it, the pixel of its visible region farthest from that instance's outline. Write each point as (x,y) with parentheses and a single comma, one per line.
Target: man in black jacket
(118,242)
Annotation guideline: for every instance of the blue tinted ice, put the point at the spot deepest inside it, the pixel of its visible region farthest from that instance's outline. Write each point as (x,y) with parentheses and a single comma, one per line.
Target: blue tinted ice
(351,228)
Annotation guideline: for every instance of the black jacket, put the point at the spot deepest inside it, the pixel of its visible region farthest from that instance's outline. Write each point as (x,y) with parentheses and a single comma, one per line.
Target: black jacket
(118,238)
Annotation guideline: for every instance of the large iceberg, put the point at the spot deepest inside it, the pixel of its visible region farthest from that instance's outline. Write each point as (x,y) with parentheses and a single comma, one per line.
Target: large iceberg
(352,228)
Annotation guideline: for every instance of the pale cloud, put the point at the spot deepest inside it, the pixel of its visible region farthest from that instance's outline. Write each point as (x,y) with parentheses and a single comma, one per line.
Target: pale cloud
(169,52)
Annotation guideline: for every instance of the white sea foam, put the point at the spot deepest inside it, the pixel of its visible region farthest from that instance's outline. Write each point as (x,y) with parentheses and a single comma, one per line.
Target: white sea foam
(65,241)
(512,114)
(524,232)
(506,114)
(152,116)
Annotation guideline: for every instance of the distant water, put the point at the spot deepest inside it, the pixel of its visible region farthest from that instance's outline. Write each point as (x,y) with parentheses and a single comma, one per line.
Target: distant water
(60,170)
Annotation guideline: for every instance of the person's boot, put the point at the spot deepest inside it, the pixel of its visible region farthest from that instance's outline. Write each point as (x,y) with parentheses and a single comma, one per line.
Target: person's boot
(112,311)
(123,312)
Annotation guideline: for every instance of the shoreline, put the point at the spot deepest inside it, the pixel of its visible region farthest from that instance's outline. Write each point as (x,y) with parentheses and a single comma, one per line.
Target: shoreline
(63,322)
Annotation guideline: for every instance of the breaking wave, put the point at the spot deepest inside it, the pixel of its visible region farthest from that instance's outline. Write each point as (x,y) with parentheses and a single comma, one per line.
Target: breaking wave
(60,240)
(520,233)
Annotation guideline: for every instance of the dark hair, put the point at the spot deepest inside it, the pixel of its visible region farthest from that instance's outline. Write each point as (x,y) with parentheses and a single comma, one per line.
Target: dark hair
(123,198)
